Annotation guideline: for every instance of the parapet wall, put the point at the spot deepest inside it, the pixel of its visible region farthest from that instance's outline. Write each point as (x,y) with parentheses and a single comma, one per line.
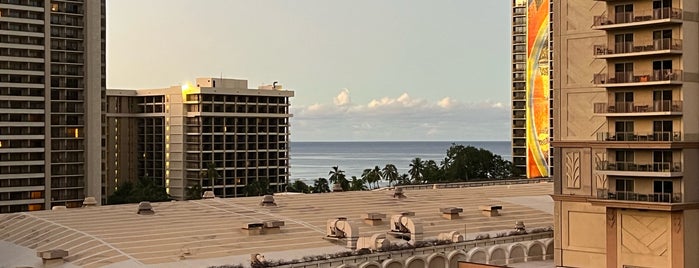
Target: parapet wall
(498,251)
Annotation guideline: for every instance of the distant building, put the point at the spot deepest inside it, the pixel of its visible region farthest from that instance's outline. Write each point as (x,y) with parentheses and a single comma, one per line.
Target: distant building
(626,191)
(177,135)
(52,86)
(532,93)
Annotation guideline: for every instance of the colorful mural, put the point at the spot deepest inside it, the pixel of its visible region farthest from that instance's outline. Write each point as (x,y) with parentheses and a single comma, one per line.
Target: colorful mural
(537,89)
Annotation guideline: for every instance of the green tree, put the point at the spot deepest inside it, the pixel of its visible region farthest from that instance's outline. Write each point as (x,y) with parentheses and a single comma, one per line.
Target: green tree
(416,169)
(403,179)
(321,186)
(432,173)
(469,163)
(372,176)
(357,184)
(145,189)
(299,187)
(338,176)
(390,173)
(194,192)
(257,188)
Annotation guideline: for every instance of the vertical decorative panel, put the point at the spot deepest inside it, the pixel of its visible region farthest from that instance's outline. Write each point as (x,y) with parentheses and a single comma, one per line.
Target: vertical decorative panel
(537,89)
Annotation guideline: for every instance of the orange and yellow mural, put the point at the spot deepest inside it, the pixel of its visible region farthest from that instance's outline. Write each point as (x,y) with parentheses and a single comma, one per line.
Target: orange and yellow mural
(537,89)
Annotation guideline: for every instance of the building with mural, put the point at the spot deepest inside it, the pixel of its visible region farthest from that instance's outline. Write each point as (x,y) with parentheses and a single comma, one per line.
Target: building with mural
(531,88)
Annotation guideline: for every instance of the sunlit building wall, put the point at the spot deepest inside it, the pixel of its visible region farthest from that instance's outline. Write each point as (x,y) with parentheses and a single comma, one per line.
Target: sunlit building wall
(627,83)
(185,135)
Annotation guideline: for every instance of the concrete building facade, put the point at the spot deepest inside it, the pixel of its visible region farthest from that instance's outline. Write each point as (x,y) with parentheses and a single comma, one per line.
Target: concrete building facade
(626,133)
(184,135)
(52,86)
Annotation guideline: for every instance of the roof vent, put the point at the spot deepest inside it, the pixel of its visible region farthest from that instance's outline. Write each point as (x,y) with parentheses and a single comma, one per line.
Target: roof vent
(451,213)
(376,242)
(58,208)
(454,237)
(144,208)
(490,210)
(208,195)
(337,187)
(341,229)
(398,193)
(89,201)
(373,219)
(268,200)
(52,257)
(406,227)
(260,228)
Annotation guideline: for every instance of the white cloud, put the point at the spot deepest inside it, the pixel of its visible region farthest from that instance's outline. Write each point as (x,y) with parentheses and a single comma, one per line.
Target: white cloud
(401,118)
(343,98)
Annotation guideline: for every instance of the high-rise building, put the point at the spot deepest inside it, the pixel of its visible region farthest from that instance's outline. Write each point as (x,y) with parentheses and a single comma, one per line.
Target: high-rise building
(625,191)
(52,88)
(532,91)
(218,133)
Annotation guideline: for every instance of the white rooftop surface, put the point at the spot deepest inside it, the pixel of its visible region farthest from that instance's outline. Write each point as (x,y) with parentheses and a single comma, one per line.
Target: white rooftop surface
(208,232)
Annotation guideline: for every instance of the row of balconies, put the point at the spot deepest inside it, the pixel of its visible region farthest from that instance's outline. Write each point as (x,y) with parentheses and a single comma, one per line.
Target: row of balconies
(21,27)
(637,79)
(668,106)
(640,167)
(237,99)
(22,14)
(642,197)
(620,49)
(21,52)
(22,130)
(637,17)
(23,182)
(631,136)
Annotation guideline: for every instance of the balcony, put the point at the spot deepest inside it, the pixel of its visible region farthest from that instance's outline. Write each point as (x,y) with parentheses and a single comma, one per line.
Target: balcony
(640,197)
(635,137)
(629,79)
(639,109)
(653,169)
(629,49)
(640,18)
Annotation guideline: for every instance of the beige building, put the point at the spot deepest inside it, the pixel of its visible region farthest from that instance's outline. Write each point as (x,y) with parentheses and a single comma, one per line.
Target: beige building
(52,86)
(627,81)
(177,135)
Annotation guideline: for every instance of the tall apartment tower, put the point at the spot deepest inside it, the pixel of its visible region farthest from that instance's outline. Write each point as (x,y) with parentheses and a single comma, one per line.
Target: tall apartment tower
(52,88)
(627,129)
(218,133)
(532,90)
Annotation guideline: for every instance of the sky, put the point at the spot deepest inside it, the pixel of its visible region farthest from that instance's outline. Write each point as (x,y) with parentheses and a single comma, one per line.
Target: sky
(362,70)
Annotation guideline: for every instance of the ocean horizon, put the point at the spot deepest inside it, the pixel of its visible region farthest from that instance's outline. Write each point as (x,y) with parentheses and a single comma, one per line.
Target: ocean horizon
(310,160)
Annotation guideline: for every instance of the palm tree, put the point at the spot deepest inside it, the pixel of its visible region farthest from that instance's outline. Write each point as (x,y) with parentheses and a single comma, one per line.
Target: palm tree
(372,176)
(321,186)
(417,167)
(390,173)
(403,179)
(338,176)
(377,175)
(357,184)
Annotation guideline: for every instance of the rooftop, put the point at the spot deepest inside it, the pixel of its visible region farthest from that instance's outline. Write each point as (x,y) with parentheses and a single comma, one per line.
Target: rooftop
(208,232)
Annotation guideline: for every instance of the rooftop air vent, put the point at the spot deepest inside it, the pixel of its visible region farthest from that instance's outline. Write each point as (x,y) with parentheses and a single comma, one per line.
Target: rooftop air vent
(89,201)
(267,201)
(208,195)
(398,193)
(144,208)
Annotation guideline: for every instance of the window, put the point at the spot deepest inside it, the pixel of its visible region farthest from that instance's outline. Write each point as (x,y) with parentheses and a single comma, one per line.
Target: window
(662,9)
(662,101)
(623,13)
(624,160)
(662,39)
(662,130)
(623,102)
(623,131)
(624,189)
(662,70)
(662,191)
(623,43)
(662,160)
(623,72)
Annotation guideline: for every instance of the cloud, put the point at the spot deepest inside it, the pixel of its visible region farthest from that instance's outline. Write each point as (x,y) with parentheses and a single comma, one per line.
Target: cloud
(401,118)
(343,98)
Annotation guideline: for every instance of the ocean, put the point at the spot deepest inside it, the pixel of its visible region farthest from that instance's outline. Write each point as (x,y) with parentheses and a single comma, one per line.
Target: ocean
(313,160)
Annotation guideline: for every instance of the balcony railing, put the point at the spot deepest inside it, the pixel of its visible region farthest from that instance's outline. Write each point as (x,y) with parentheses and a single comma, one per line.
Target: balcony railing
(631,107)
(628,136)
(630,47)
(630,77)
(642,167)
(633,196)
(638,16)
